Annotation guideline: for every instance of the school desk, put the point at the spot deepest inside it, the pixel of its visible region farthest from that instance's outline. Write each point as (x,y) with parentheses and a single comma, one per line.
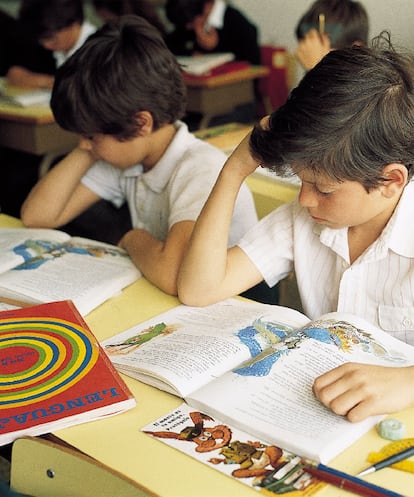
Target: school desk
(34,130)
(221,94)
(118,442)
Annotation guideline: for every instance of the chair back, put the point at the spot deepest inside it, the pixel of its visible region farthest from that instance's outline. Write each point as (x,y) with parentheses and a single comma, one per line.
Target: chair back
(41,468)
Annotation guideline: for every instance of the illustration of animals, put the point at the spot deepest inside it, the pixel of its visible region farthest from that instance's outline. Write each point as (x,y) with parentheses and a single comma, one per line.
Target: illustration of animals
(206,439)
(253,458)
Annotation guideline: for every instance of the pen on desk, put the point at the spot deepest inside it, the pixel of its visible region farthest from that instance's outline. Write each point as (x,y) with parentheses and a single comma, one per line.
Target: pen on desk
(321,24)
(348,482)
(400,456)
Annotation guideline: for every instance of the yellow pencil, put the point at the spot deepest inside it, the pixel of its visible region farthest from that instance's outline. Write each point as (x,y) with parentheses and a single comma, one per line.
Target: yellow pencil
(321,24)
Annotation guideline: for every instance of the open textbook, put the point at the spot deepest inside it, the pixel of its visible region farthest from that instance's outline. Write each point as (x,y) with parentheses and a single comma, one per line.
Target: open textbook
(252,366)
(44,265)
(24,97)
(198,65)
(54,372)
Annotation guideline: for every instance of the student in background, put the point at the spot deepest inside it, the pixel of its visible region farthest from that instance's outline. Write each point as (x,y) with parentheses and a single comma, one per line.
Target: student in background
(23,62)
(205,26)
(124,94)
(328,25)
(58,25)
(110,10)
(213,26)
(26,64)
(347,131)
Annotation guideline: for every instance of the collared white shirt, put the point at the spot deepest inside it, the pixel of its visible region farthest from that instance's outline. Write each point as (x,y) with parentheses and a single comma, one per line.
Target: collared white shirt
(378,286)
(174,190)
(216,17)
(86,30)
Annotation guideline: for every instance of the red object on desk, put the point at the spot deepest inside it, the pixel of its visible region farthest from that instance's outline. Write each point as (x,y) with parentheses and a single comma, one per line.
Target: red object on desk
(274,86)
(349,483)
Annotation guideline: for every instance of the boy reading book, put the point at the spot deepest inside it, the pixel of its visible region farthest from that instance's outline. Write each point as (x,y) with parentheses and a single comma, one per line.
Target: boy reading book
(347,131)
(124,94)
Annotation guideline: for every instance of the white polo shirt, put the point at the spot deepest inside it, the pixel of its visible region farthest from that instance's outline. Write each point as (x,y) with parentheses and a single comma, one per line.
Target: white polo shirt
(174,190)
(86,30)
(216,17)
(378,286)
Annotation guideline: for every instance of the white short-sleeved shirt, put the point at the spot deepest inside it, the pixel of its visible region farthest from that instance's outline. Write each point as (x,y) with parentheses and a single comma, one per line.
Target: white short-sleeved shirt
(86,30)
(378,286)
(174,190)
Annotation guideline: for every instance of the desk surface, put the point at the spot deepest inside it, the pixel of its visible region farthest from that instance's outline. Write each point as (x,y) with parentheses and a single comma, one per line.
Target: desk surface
(35,114)
(118,442)
(33,129)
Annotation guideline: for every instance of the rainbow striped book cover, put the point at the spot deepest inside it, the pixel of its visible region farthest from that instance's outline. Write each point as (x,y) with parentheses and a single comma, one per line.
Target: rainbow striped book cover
(53,372)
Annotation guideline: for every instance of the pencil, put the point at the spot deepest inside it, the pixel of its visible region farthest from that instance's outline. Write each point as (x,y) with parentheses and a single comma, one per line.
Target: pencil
(321,24)
(348,482)
(399,456)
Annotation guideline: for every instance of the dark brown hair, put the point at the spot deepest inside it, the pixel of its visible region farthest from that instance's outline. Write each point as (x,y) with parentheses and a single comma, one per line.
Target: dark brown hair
(122,69)
(350,116)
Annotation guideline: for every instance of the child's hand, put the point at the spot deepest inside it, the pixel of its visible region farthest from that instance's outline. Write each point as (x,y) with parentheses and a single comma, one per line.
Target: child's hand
(312,49)
(207,37)
(361,390)
(241,160)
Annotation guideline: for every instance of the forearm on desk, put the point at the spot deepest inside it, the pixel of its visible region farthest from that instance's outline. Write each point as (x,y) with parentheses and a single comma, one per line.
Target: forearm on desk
(22,77)
(59,196)
(159,261)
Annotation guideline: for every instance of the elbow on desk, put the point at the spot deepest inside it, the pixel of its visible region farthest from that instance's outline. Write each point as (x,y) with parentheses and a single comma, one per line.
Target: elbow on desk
(194,299)
(31,221)
(193,302)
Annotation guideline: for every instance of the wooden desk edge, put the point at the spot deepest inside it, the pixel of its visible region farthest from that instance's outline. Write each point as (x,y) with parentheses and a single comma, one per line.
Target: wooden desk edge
(28,115)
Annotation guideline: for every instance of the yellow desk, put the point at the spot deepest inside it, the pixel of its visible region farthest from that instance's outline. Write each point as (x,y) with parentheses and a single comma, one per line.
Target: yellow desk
(34,130)
(118,442)
(221,94)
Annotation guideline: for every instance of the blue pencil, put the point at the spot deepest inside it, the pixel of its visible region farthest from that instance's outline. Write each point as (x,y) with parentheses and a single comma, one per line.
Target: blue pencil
(400,456)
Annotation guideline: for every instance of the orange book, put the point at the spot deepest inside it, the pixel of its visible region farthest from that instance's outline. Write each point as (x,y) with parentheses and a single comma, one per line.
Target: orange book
(53,372)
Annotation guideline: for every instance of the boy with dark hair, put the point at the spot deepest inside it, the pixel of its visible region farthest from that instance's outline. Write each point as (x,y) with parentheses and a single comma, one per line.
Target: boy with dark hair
(123,93)
(328,25)
(347,131)
(110,10)
(58,25)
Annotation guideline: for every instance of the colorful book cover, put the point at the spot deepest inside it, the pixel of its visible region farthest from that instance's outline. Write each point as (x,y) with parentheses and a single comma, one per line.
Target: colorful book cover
(53,372)
(267,468)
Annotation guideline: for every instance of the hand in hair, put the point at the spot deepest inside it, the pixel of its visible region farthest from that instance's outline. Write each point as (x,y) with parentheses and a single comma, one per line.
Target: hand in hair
(312,48)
